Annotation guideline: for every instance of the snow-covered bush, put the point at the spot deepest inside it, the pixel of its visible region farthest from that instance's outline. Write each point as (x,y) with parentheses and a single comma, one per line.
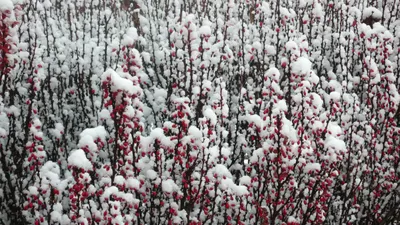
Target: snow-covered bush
(199,112)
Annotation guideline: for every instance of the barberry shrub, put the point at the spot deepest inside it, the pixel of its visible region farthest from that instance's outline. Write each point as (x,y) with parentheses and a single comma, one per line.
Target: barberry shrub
(199,112)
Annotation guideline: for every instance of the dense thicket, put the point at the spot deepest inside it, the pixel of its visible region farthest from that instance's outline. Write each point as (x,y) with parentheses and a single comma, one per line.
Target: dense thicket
(199,112)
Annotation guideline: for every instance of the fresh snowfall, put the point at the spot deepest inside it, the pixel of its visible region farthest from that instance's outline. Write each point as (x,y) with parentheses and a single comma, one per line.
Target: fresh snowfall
(231,112)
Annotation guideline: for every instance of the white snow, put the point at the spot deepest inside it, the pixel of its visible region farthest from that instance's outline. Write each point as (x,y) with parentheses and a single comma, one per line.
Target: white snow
(95,133)
(89,135)
(276,88)
(51,171)
(291,219)
(270,49)
(245,180)
(207,84)
(334,129)
(280,106)
(78,159)
(334,96)
(291,46)
(6,5)
(210,114)
(301,66)
(237,189)
(225,151)
(119,83)
(313,78)
(110,191)
(372,12)
(195,132)
(160,95)
(130,37)
(33,190)
(213,151)
(221,170)
(3,133)
(317,101)
(257,45)
(56,216)
(133,183)
(87,141)
(58,130)
(151,174)
(312,167)
(318,10)
(316,125)
(158,134)
(205,30)
(169,186)
(335,143)
(13,110)
(273,73)
(288,129)
(256,119)
(104,114)
(120,180)
(304,3)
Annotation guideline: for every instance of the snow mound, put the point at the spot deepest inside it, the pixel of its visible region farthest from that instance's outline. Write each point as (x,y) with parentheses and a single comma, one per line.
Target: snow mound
(51,171)
(209,114)
(97,132)
(78,159)
(273,73)
(130,37)
(301,66)
(372,12)
(205,30)
(169,186)
(119,83)
(312,167)
(6,5)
